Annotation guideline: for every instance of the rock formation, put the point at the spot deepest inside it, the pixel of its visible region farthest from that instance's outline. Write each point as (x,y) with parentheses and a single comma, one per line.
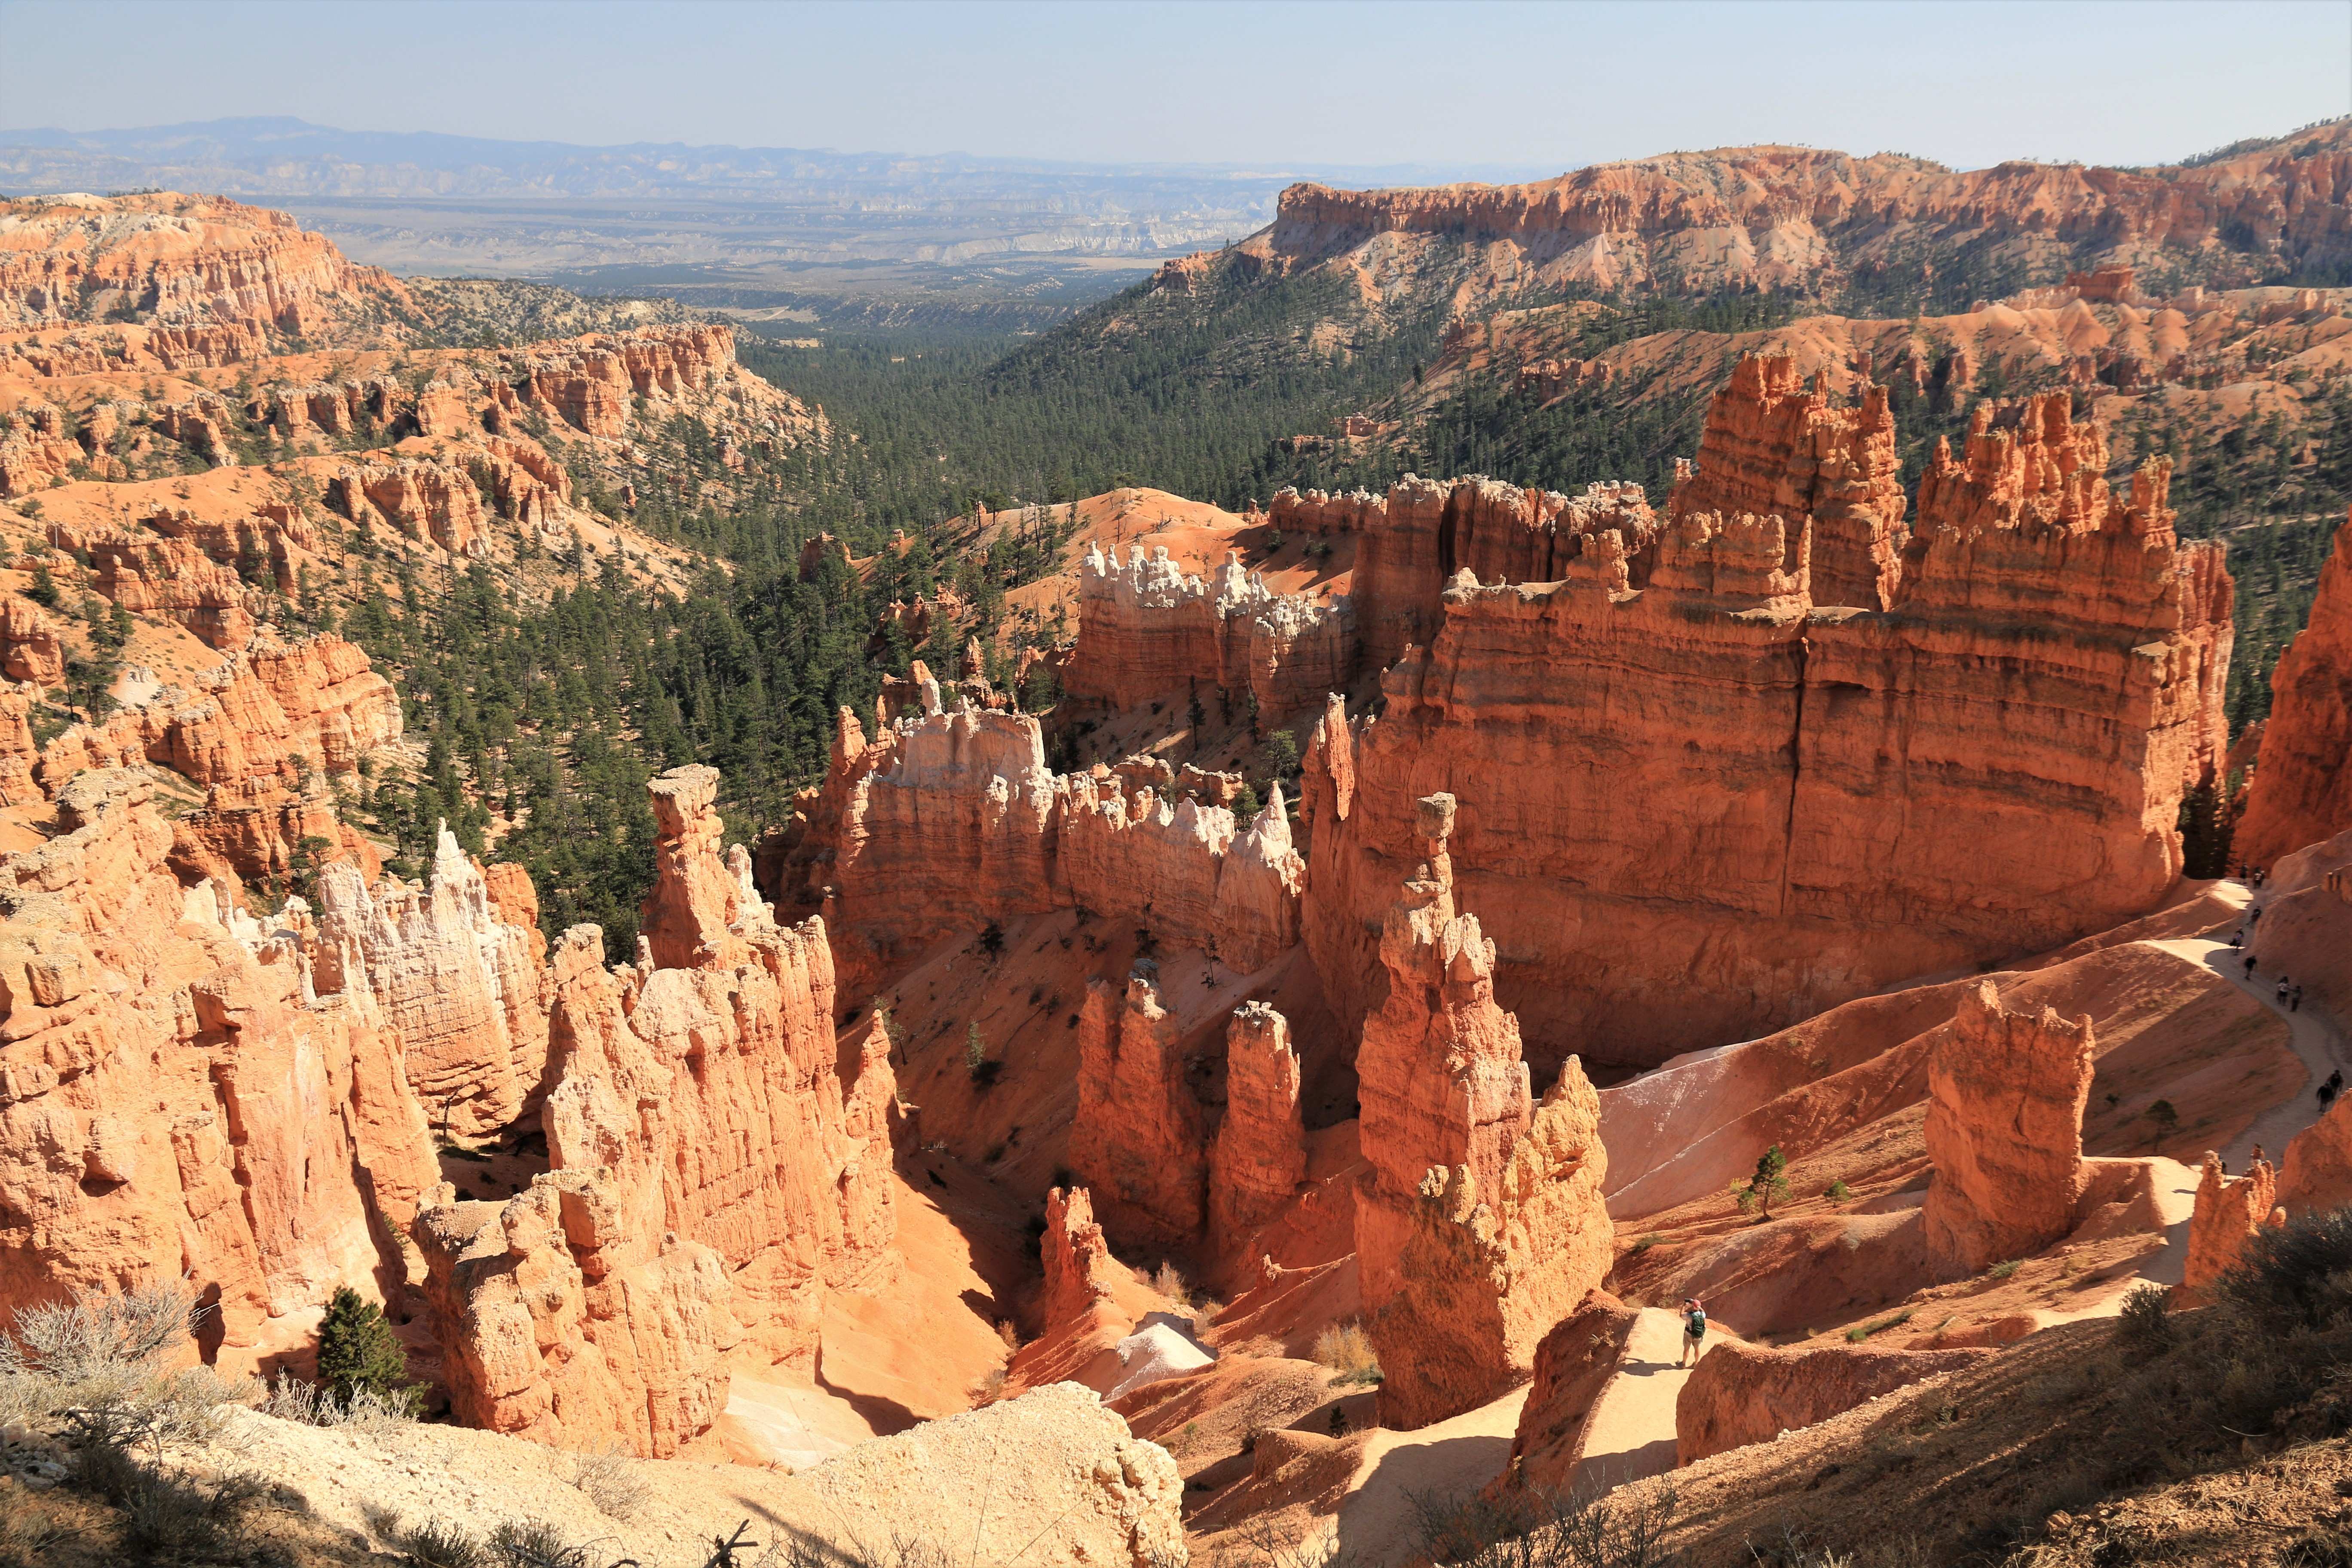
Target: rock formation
(1704,787)
(1777,217)
(269,712)
(1078,1260)
(1138,1138)
(1774,446)
(1146,629)
(953,820)
(1573,1363)
(29,649)
(1417,537)
(176,1097)
(2302,789)
(175,258)
(1741,1393)
(1261,1152)
(2227,1213)
(461,983)
(713,1171)
(2006,1092)
(1480,1222)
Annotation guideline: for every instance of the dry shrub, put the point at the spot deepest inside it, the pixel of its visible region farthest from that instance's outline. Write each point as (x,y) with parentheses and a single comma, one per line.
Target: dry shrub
(611,1483)
(1174,1287)
(98,1362)
(367,1410)
(2144,1326)
(437,1545)
(1550,1530)
(1345,1351)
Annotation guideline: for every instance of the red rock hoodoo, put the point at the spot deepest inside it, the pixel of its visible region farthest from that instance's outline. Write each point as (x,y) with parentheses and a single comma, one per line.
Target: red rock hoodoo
(1137,1141)
(2302,789)
(1260,1157)
(1480,1222)
(2006,1092)
(2227,1213)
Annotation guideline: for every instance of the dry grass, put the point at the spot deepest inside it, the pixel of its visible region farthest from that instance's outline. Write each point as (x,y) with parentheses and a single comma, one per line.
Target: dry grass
(98,1362)
(291,1399)
(1174,1287)
(1345,1351)
(610,1480)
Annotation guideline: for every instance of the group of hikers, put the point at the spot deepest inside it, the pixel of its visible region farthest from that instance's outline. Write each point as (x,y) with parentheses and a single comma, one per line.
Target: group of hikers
(2290,995)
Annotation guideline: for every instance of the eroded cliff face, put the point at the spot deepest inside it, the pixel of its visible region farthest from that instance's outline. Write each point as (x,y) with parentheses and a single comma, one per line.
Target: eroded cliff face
(176,1098)
(2005,1098)
(2302,789)
(1774,446)
(1480,1222)
(1416,537)
(1699,784)
(714,1170)
(1148,629)
(182,258)
(950,821)
(1786,216)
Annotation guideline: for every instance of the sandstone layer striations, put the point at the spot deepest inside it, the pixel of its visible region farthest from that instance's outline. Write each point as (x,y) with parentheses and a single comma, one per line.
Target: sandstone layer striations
(2301,788)
(1480,1222)
(1698,785)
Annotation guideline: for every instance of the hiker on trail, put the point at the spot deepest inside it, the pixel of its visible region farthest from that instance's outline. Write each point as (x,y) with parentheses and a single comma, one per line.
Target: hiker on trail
(2254,917)
(2249,966)
(2326,1095)
(2238,937)
(1694,1331)
(2294,1000)
(2336,1078)
(2256,1158)
(2284,987)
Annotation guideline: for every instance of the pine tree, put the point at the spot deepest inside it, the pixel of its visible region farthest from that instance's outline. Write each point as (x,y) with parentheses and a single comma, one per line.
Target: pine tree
(358,1350)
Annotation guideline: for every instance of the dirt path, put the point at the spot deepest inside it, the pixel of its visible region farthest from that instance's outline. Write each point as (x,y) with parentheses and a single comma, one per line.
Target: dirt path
(1631,1432)
(1379,1524)
(2317,1044)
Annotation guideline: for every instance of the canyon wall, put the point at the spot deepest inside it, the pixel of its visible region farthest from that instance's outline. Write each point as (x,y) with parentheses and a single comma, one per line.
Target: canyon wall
(951,820)
(2301,788)
(1414,539)
(178,258)
(713,1169)
(1706,787)
(177,1099)
(1147,630)
(1789,217)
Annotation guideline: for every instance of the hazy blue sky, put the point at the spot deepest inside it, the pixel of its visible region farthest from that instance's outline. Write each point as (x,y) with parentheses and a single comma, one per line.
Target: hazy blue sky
(1552,85)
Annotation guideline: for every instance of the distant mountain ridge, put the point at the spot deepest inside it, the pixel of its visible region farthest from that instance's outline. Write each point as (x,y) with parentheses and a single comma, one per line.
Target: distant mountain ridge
(277,155)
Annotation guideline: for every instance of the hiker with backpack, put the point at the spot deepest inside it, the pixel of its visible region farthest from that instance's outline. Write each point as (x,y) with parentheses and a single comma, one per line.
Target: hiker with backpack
(1694,1331)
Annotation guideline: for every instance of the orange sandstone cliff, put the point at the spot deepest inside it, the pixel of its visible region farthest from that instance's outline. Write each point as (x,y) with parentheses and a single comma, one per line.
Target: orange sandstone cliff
(2302,789)
(1698,784)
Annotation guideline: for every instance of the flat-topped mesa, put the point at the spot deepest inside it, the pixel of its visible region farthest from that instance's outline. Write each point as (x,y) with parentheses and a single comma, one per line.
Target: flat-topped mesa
(1260,1157)
(1834,799)
(1146,629)
(2302,791)
(1480,1222)
(1421,533)
(714,1170)
(953,820)
(2005,1098)
(1137,1140)
(1774,445)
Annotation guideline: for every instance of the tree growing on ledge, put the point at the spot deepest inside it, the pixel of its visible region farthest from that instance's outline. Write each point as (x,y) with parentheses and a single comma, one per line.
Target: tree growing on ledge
(358,1351)
(1769,1183)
